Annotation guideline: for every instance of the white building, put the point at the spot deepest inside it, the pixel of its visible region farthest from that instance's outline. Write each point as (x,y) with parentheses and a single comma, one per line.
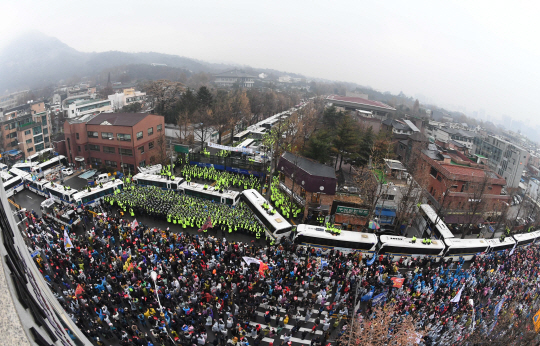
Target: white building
(232,77)
(125,98)
(85,107)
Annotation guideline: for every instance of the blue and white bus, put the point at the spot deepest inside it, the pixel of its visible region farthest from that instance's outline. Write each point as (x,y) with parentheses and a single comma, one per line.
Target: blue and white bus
(13,185)
(160,181)
(60,193)
(398,247)
(320,237)
(50,167)
(229,197)
(46,153)
(25,166)
(94,194)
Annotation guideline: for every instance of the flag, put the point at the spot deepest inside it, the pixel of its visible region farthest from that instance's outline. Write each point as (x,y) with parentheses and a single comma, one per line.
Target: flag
(207,224)
(367,297)
(371,260)
(250,260)
(79,290)
(134,224)
(536,321)
(398,282)
(51,196)
(498,307)
(379,298)
(262,267)
(512,251)
(67,241)
(324,263)
(458,296)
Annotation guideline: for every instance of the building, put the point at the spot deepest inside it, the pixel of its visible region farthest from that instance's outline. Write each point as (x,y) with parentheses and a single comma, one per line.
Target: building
(85,107)
(379,110)
(400,128)
(453,181)
(311,184)
(505,158)
(32,316)
(126,98)
(405,147)
(446,134)
(367,120)
(26,129)
(115,140)
(232,77)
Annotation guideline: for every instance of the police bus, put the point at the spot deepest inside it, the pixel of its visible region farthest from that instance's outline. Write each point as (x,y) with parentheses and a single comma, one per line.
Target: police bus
(160,181)
(275,225)
(60,193)
(429,220)
(49,152)
(13,185)
(398,247)
(25,166)
(37,186)
(526,238)
(5,176)
(346,241)
(496,245)
(51,166)
(466,248)
(91,196)
(241,136)
(229,197)
(3,168)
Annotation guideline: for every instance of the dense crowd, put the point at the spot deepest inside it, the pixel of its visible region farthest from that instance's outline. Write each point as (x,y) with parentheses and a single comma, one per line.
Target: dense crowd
(222,179)
(283,202)
(206,292)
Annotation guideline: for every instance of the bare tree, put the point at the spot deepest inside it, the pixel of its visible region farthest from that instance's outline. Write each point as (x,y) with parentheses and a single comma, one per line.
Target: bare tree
(475,203)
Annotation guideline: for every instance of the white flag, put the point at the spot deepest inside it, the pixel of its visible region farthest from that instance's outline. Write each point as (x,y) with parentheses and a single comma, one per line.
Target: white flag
(134,224)
(250,260)
(67,241)
(458,296)
(512,251)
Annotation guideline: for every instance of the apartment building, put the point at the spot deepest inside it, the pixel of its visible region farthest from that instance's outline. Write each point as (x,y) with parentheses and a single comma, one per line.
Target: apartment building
(25,128)
(505,158)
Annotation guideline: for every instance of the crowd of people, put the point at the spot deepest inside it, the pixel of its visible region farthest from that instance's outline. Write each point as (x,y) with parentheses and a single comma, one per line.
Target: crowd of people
(207,292)
(222,179)
(283,202)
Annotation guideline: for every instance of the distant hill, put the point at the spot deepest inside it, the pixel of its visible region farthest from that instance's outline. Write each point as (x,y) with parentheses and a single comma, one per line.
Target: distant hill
(35,60)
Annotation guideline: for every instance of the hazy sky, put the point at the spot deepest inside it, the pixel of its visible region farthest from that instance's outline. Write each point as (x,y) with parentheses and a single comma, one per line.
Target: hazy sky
(472,54)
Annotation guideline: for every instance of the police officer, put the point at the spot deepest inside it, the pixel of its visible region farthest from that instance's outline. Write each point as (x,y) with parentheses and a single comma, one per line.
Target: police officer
(413,240)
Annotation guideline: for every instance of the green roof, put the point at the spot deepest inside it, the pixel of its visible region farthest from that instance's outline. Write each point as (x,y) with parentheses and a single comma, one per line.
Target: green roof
(381,177)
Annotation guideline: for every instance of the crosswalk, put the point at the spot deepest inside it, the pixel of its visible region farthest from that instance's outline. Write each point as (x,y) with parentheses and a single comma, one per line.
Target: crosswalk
(305,329)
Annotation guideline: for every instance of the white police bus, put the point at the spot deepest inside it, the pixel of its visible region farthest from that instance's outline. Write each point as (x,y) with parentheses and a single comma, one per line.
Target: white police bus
(275,225)
(466,248)
(160,181)
(229,197)
(51,166)
(60,193)
(13,185)
(92,195)
(429,220)
(398,247)
(24,166)
(526,238)
(321,238)
(496,245)
(44,153)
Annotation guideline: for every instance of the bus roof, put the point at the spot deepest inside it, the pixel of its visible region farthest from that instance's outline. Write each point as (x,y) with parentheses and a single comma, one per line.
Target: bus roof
(256,199)
(466,243)
(60,188)
(5,175)
(211,190)
(246,143)
(155,177)
(19,172)
(497,242)
(527,236)
(407,242)
(348,236)
(441,226)
(109,184)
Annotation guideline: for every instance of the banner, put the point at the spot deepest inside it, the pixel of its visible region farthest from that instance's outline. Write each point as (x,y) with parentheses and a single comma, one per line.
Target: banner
(371,260)
(225,147)
(498,307)
(207,225)
(250,260)
(512,252)
(458,296)
(134,224)
(398,282)
(262,267)
(367,297)
(379,299)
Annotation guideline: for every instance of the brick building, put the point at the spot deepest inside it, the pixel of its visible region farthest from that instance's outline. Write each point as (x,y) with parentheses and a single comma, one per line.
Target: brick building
(455,181)
(115,139)
(314,186)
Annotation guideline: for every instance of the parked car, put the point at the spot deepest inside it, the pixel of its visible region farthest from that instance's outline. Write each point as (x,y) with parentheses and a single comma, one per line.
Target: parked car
(67,171)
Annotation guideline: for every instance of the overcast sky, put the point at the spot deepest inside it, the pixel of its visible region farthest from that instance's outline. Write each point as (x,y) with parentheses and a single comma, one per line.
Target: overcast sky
(472,54)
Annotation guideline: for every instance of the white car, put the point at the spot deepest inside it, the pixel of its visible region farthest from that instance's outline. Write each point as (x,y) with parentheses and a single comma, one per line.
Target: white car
(67,171)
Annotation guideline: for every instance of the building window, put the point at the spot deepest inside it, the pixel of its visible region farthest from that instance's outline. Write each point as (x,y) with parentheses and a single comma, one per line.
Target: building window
(139,135)
(130,168)
(44,120)
(79,148)
(92,134)
(107,135)
(123,137)
(27,132)
(28,141)
(125,152)
(142,163)
(159,127)
(45,131)
(141,149)
(110,163)
(388,197)
(37,130)
(95,161)
(30,150)
(150,145)
(46,139)
(108,150)
(40,147)
(150,131)
(77,136)
(38,139)
(94,147)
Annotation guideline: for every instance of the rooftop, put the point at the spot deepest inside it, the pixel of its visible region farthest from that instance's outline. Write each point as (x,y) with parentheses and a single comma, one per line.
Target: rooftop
(309,166)
(359,101)
(118,119)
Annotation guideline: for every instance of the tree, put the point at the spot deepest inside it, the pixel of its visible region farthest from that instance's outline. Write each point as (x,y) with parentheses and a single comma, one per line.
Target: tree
(164,95)
(240,109)
(105,92)
(416,107)
(132,108)
(384,326)
(222,113)
(318,147)
(204,98)
(345,139)
(475,203)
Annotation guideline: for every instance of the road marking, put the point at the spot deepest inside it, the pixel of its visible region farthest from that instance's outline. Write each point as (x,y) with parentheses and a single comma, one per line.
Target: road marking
(28,197)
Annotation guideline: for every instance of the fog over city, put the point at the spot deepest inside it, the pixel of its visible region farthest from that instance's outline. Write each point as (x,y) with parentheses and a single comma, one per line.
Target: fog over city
(465,56)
